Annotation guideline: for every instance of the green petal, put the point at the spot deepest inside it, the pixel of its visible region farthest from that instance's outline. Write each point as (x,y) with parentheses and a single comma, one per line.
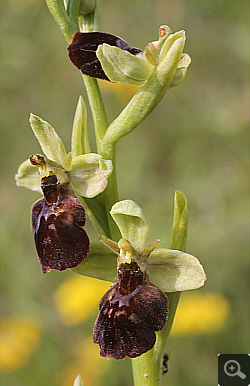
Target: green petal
(180,222)
(100,263)
(49,140)
(67,162)
(79,138)
(27,176)
(89,173)
(110,244)
(122,67)
(173,270)
(132,223)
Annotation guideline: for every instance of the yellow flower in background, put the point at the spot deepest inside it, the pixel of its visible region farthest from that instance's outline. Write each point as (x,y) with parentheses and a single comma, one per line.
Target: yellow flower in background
(87,362)
(201,313)
(78,297)
(19,338)
(124,92)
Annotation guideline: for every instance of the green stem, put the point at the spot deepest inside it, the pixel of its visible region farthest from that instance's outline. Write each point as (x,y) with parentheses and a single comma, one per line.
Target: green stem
(73,12)
(145,370)
(111,195)
(162,336)
(58,11)
(107,151)
(97,108)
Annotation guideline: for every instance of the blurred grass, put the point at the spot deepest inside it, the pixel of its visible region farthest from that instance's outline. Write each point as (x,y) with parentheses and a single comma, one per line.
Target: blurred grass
(195,141)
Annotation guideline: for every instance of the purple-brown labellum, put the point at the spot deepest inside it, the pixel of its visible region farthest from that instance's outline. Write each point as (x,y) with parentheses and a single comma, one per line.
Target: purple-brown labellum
(82,51)
(130,313)
(57,221)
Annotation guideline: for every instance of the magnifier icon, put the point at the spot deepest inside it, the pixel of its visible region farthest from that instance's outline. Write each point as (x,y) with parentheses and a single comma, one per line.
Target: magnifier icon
(232,368)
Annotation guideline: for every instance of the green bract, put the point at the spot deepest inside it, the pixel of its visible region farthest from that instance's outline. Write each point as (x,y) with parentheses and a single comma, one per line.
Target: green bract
(123,67)
(171,270)
(79,137)
(87,172)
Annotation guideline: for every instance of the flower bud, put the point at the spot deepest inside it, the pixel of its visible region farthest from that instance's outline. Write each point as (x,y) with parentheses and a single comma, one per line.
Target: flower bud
(130,313)
(57,221)
(86,6)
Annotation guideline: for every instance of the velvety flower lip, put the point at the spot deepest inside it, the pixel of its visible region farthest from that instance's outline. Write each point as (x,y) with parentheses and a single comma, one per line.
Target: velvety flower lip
(82,51)
(57,221)
(130,313)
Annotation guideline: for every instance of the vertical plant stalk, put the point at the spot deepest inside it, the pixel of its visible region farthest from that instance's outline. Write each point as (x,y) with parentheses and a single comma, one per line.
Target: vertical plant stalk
(58,11)
(68,27)
(146,368)
(107,151)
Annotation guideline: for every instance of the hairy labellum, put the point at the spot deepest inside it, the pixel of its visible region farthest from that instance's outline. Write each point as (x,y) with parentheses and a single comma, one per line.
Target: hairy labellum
(57,221)
(82,51)
(130,313)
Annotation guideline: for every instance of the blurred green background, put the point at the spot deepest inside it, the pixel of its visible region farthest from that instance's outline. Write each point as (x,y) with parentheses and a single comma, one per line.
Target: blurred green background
(195,141)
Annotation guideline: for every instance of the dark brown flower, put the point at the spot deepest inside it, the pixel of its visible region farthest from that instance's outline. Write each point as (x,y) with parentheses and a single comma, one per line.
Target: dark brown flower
(57,221)
(130,313)
(82,51)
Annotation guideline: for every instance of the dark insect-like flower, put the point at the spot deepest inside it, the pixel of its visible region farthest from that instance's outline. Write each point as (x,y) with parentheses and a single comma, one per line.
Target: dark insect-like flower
(57,221)
(82,51)
(130,313)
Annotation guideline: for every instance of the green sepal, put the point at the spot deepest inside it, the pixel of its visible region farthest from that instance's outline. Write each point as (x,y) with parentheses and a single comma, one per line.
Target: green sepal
(181,70)
(89,173)
(170,270)
(49,140)
(122,67)
(174,271)
(100,263)
(180,222)
(78,381)
(132,223)
(79,138)
(27,176)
